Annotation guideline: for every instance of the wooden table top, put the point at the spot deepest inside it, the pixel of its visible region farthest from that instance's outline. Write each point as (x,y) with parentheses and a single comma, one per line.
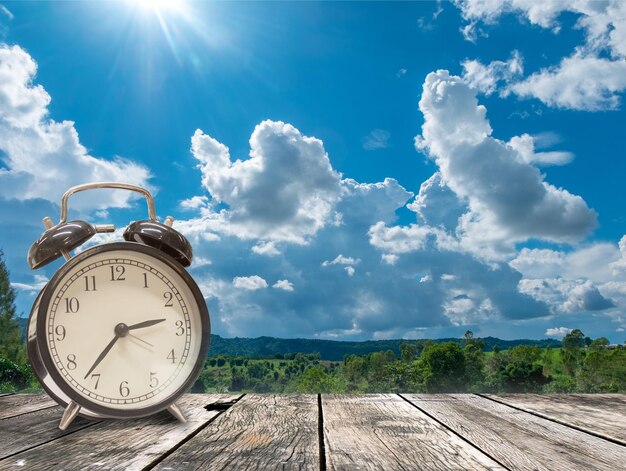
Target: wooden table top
(324,432)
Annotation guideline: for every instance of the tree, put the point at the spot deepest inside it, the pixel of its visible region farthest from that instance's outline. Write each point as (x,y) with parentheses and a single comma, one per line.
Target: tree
(443,367)
(571,352)
(474,366)
(11,346)
(408,351)
(574,340)
(318,380)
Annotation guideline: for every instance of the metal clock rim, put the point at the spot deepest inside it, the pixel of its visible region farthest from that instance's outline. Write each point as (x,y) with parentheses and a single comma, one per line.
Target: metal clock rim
(61,382)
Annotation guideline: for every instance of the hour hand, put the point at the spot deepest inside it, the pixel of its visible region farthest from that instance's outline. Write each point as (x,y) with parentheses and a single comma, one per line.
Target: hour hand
(143,324)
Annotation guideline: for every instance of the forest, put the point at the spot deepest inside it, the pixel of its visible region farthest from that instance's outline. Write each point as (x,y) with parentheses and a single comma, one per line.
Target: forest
(577,364)
(580,365)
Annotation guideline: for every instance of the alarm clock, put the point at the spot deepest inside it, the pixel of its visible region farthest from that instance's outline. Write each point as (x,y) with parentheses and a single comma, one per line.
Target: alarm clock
(121,330)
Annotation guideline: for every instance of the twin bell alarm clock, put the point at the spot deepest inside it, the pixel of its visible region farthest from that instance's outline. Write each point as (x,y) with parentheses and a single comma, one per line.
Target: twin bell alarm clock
(121,330)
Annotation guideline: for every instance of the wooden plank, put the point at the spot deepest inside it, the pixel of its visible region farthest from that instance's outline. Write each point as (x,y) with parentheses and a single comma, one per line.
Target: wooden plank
(259,432)
(519,440)
(34,428)
(599,414)
(16,404)
(385,432)
(115,444)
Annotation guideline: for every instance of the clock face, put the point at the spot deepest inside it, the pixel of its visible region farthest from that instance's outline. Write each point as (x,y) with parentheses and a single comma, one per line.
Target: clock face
(123,328)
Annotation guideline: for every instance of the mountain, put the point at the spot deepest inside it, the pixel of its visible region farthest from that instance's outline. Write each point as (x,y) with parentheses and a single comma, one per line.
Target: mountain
(332,350)
(335,350)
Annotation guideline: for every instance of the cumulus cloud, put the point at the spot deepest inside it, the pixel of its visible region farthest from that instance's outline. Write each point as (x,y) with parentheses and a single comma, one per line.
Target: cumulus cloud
(566,296)
(43,157)
(341,260)
(284,191)
(507,197)
(558,331)
(376,139)
(579,82)
(266,248)
(525,145)
(252,283)
(591,78)
(437,205)
(486,78)
(285,285)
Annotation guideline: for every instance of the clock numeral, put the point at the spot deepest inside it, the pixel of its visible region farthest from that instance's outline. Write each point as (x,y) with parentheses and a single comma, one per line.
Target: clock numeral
(71,362)
(154,381)
(117,273)
(168,299)
(145,280)
(90,283)
(71,305)
(60,331)
(124,390)
(97,376)
(172,356)
(180,330)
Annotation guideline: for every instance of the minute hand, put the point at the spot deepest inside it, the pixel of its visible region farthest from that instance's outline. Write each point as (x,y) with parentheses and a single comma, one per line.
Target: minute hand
(143,324)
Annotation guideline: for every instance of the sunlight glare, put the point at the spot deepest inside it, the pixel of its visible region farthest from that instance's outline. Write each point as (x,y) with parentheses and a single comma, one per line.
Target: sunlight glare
(158,5)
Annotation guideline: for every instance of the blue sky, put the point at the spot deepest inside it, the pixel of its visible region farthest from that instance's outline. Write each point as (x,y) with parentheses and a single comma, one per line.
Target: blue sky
(343,170)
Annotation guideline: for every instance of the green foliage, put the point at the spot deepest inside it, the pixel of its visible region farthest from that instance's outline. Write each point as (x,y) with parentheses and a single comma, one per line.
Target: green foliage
(11,346)
(429,367)
(317,380)
(14,377)
(443,368)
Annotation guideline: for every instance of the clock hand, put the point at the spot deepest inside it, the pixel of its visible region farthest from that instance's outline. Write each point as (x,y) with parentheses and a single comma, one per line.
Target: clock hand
(103,354)
(141,340)
(143,324)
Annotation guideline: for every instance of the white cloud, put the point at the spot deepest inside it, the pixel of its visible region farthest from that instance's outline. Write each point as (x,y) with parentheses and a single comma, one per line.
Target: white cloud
(587,79)
(437,205)
(525,145)
(37,285)
(341,260)
(399,239)
(285,285)
(389,258)
(251,283)
(507,198)
(401,72)
(43,157)
(285,191)
(376,139)
(579,82)
(193,203)
(486,78)
(566,296)
(266,248)
(558,331)
(350,271)
(596,262)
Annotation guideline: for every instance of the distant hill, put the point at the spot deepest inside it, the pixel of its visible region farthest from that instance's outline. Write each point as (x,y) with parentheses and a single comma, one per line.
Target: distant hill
(333,350)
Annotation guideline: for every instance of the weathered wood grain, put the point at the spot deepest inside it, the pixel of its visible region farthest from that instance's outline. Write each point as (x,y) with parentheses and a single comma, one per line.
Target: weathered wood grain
(34,428)
(114,444)
(16,404)
(601,414)
(519,440)
(384,432)
(259,432)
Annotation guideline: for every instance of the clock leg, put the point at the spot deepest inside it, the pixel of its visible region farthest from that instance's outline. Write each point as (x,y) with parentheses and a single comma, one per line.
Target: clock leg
(176,412)
(70,414)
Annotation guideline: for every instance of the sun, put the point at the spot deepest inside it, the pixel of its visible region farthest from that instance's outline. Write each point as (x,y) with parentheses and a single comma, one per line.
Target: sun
(157,6)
